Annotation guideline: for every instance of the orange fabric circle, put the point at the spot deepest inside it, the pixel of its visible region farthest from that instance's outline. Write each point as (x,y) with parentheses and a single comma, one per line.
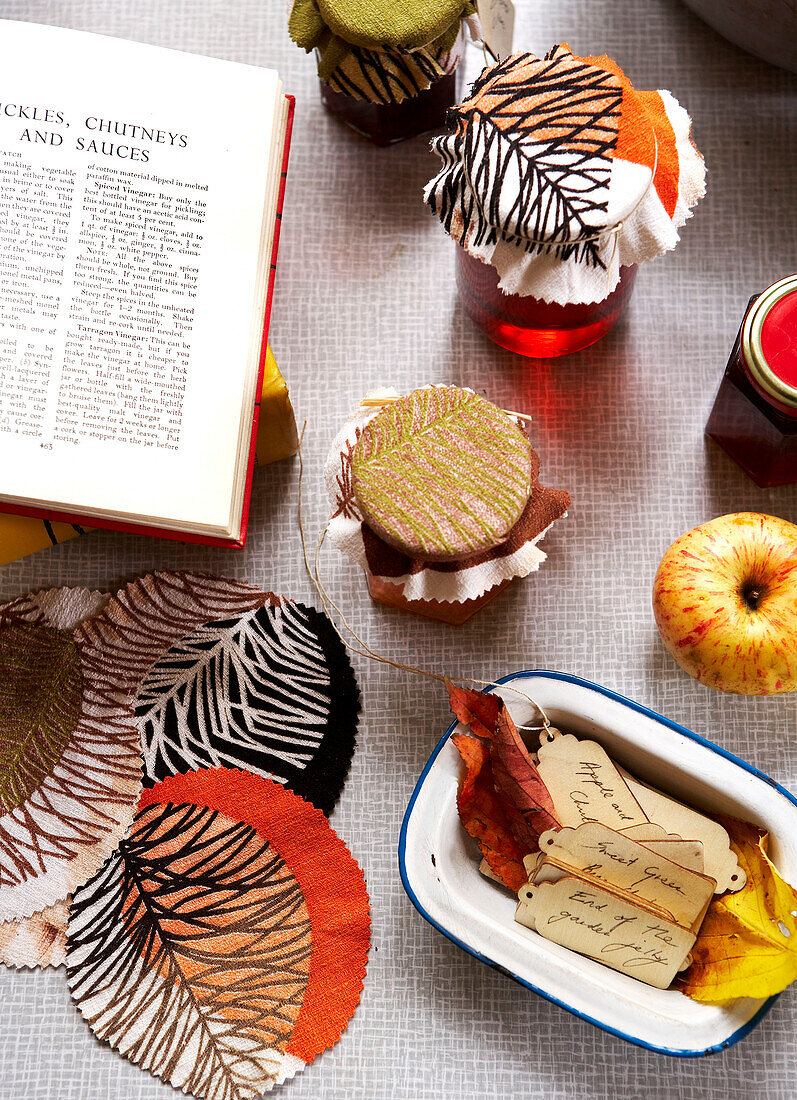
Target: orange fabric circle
(642,115)
(330,880)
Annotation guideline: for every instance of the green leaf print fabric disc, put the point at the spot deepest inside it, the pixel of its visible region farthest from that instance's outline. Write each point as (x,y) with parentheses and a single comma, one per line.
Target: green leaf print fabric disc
(442,473)
(407,24)
(70,761)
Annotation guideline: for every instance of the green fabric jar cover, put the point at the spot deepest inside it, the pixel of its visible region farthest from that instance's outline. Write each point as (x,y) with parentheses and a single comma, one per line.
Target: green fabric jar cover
(382,52)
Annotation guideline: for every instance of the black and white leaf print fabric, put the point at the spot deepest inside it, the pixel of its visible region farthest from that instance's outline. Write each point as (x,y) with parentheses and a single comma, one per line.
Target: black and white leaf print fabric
(388,76)
(270,691)
(530,160)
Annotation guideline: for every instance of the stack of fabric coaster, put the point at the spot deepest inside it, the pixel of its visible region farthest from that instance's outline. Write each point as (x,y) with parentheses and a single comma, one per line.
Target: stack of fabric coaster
(167,756)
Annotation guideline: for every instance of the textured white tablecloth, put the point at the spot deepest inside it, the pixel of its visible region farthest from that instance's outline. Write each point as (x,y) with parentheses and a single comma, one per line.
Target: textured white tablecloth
(365,296)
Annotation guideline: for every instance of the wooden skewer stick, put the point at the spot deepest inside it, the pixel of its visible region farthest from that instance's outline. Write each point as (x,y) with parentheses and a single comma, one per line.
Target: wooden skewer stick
(378,402)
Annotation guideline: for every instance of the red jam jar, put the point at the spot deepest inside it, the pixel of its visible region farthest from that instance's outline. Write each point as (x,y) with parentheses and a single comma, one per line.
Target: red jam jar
(530,326)
(387,123)
(754,418)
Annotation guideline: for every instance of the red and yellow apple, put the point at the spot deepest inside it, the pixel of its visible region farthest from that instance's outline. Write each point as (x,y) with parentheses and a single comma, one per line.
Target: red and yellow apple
(725,601)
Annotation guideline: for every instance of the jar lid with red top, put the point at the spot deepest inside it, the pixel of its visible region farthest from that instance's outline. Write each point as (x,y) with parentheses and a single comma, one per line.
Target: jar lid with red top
(769,342)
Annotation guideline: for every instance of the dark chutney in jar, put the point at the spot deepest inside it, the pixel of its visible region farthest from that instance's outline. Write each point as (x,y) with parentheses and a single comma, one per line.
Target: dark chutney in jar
(387,123)
(754,418)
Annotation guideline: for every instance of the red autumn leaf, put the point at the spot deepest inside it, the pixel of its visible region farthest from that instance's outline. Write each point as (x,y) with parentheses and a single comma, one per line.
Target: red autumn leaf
(527,804)
(484,815)
(478,710)
(517,779)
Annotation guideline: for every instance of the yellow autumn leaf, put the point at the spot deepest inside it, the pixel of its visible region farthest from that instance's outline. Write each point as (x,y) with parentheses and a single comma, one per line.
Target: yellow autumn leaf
(747,945)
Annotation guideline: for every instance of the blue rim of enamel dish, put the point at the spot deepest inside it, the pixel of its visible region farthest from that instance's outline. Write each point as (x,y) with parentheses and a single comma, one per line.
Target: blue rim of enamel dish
(579,682)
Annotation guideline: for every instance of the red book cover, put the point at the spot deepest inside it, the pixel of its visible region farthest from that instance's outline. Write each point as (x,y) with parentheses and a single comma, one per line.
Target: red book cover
(182,536)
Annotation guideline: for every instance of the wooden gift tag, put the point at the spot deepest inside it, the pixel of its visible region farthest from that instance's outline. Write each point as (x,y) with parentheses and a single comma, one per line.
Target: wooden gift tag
(497,18)
(584,783)
(531,863)
(615,932)
(548,872)
(689,853)
(720,861)
(616,860)
(686,853)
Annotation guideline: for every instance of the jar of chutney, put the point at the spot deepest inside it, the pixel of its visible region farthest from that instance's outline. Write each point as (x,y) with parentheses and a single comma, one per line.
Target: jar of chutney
(436,495)
(387,69)
(754,418)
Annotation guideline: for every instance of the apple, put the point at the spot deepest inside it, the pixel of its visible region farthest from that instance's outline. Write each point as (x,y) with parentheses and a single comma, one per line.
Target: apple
(725,601)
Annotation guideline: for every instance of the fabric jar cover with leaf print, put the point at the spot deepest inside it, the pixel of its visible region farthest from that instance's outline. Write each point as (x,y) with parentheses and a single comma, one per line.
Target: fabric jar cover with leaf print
(386,52)
(446,587)
(40,938)
(559,173)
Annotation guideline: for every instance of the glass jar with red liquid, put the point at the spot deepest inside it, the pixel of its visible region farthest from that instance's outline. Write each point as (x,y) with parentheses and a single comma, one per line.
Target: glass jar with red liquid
(754,418)
(530,326)
(557,180)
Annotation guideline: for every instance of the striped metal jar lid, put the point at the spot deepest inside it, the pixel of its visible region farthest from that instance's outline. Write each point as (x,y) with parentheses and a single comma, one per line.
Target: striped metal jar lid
(769,341)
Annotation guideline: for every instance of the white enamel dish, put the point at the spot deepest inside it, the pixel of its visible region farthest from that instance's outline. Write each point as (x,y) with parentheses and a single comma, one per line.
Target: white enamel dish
(439,864)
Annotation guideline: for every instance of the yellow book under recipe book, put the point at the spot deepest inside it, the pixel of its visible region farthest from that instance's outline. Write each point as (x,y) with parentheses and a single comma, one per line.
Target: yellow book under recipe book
(276,438)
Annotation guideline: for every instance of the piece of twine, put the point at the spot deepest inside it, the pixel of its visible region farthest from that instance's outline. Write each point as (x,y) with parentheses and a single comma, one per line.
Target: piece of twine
(393,399)
(620,893)
(612,231)
(487,49)
(362,648)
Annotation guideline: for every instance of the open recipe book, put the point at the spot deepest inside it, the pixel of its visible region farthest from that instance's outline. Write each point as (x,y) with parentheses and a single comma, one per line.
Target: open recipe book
(140,200)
